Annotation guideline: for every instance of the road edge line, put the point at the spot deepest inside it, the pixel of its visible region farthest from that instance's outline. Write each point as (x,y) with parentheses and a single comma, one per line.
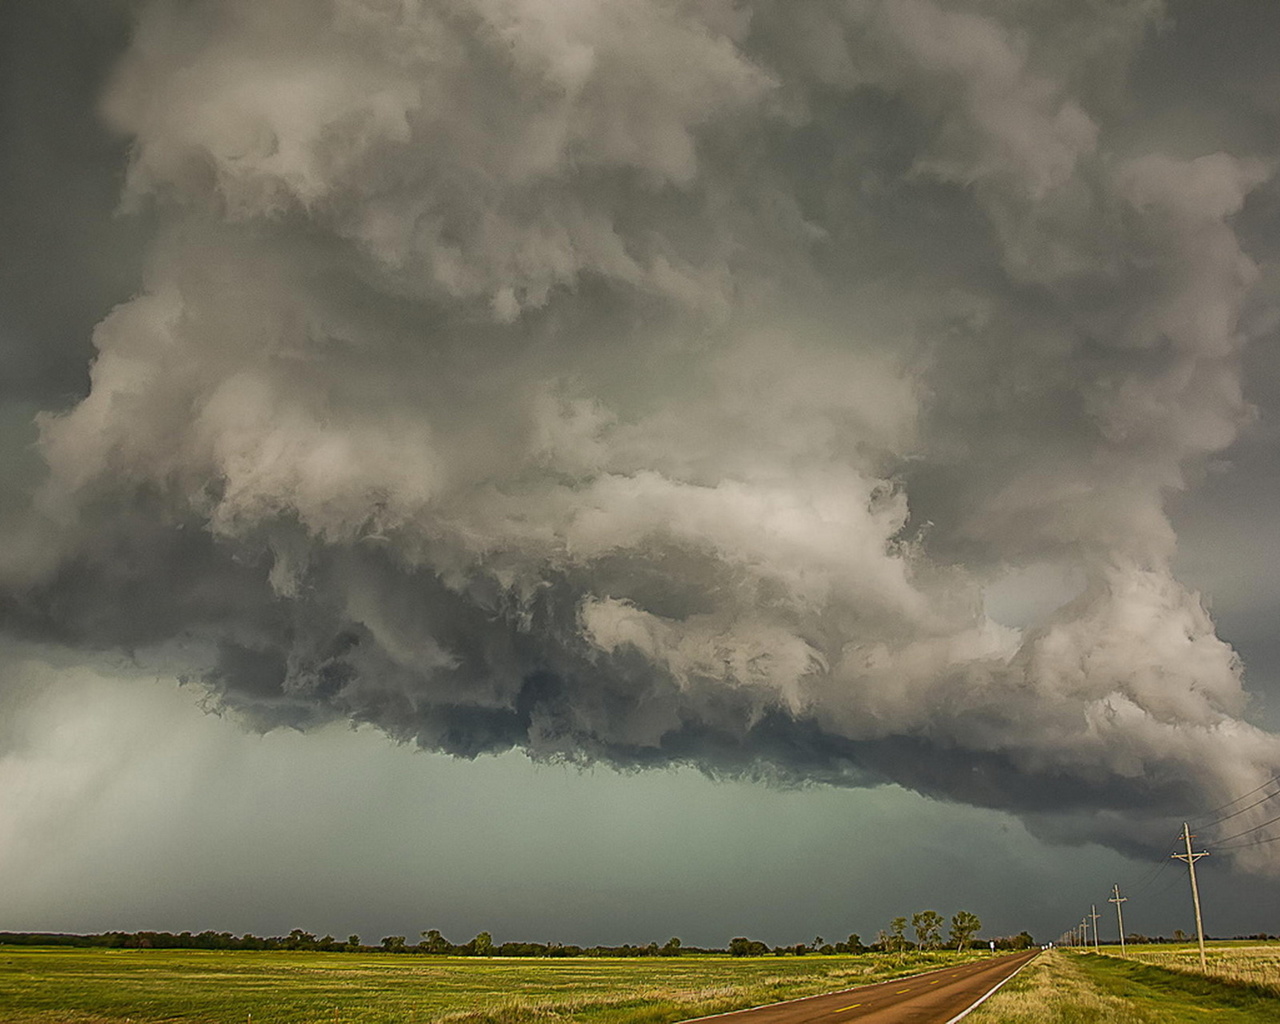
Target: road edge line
(851,988)
(964,1013)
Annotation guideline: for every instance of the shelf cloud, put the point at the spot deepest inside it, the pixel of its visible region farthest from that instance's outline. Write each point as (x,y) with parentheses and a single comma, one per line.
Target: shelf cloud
(670,381)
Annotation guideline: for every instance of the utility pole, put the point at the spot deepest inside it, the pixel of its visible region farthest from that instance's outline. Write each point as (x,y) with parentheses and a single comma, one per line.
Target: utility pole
(1117,900)
(1093,907)
(1084,932)
(1191,859)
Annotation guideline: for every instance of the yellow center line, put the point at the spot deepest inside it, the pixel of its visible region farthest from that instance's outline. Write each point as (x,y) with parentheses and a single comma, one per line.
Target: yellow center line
(935,981)
(843,1008)
(901,990)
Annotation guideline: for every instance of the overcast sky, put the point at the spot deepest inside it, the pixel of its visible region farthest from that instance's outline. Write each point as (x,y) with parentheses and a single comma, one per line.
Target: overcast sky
(603,470)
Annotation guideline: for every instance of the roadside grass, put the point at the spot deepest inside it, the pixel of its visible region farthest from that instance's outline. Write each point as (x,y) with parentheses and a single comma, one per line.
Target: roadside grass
(1071,988)
(1053,990)
(1254,965)
(102,986)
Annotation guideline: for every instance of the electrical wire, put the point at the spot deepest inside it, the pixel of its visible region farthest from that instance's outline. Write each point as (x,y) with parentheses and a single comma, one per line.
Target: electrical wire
(1242,796)
(1246,807)
(1150,878)
(1255,842)
(1248,831)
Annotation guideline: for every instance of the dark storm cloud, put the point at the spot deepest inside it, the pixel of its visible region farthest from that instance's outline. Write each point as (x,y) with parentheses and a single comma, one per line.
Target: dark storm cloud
(670,381)
(60,177)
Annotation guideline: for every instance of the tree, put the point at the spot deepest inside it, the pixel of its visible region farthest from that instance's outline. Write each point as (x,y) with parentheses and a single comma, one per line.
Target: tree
(672,948)
(434,942)
(483,944)
(964,926)
(928,928)
(393,944)
(298,939)
(741,946)
(897,933)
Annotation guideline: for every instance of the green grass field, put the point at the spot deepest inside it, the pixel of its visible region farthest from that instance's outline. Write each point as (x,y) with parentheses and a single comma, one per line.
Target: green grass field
(1071,988)
(97,986)
(1243,963)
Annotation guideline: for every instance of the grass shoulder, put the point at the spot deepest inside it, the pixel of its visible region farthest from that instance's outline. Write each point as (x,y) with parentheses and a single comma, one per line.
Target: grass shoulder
(1070,988)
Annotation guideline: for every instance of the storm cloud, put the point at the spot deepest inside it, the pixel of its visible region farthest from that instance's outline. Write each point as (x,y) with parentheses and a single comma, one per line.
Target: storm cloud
(671,381)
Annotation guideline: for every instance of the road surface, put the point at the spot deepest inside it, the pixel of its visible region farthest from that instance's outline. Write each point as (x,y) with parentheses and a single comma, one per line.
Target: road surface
(932,998)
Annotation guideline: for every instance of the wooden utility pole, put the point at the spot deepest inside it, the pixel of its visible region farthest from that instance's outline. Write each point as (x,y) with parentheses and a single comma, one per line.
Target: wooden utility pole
(1117,899)
(1084,932)
(1191,859)
(1093,907)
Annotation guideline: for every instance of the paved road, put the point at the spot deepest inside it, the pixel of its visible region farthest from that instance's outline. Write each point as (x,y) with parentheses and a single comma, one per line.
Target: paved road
(932,998)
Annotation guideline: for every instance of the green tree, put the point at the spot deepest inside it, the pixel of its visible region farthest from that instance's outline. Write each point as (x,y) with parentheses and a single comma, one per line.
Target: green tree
(434,942)
(897,934)
(741,946)
(672,948)
(928,928)
(393,944)
(483,944)
(855,943)
(964,926)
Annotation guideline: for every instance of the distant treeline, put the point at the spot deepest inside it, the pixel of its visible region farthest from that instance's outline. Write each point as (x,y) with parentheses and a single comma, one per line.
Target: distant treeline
(1138,939)
(435,944)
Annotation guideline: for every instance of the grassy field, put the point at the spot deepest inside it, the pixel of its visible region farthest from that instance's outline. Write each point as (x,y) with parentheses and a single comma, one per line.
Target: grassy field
(98,986)
(1069,988)
(1255,964)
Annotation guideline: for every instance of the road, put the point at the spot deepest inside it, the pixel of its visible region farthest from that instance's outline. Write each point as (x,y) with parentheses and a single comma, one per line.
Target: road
(932,998)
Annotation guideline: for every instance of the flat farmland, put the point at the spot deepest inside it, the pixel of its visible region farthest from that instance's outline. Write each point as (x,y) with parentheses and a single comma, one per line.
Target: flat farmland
(100,986)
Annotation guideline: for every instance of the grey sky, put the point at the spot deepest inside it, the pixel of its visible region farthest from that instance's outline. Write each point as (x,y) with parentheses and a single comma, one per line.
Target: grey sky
(857,394)
(130,808)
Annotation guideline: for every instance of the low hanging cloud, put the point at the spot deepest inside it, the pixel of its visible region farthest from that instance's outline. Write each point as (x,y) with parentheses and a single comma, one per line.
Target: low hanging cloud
(655,381)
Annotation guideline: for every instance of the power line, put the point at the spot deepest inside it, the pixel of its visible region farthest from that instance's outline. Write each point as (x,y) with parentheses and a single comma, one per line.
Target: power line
(1246,807)
(1191,858)
(1245,846)
(1242,796)
(1117,900)
(1154,874)
(1248,831)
